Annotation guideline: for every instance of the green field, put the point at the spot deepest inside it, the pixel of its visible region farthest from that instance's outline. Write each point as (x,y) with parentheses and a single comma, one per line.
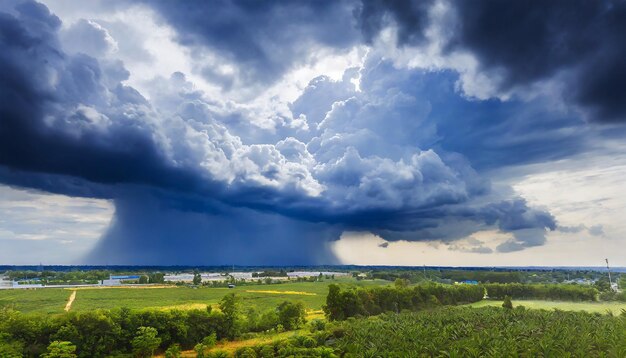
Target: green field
(35,300)
(312,294)
(52,300)
(600,307)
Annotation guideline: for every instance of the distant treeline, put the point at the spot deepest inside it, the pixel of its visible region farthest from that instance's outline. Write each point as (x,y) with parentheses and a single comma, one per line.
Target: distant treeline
(59,276)
(77,277)
(416,275)
(270,273)
(555,292)
(483,276)
(341,304)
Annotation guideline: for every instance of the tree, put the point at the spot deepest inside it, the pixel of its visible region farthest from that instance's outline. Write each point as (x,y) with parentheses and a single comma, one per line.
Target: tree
(333,306)
(60,349)
(231,308)
(143,279)
(507,302)
(146,341)
(94,333)
(197,279)
(173,351)
(8,347)
(602,284)
(157,277)
(401,283)
(291,315)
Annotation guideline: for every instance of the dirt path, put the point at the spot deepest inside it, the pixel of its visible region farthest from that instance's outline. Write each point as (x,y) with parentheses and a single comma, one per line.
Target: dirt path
(70,301)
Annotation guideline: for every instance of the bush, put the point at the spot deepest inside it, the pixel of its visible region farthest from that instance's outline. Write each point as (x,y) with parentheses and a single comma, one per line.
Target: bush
(173,351)
(245,352)
(210,341)
(317,325)
(507,302)
(201,350)
(291,315)
(219,354)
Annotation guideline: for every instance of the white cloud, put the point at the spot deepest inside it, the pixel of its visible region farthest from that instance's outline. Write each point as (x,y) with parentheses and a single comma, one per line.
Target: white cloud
(40,222)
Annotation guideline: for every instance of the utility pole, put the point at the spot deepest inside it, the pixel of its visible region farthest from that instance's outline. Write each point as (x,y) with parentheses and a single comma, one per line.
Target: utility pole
(609,271)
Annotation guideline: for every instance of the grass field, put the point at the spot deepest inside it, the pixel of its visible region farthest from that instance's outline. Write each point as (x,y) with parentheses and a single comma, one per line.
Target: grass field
(600,307)
(53,301)
(312,294)
(40,300)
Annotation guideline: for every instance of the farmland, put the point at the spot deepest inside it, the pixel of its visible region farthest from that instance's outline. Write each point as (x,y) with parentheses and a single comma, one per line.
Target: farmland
(53,301)
(262,296)
(316,316)
(593,307)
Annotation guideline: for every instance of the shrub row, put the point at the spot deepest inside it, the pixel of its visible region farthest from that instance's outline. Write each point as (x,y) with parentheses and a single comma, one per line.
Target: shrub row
(341,304)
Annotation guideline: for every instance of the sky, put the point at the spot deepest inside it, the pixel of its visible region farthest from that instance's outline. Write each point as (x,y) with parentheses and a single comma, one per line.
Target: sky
(433,132)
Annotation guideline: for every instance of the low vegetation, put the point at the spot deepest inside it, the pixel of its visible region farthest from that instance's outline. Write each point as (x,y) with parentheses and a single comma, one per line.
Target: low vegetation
(104,332)
(460,332)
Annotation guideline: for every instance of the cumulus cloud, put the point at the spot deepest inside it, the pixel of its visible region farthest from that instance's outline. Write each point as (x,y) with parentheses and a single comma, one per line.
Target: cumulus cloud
(243,43)
(90,38)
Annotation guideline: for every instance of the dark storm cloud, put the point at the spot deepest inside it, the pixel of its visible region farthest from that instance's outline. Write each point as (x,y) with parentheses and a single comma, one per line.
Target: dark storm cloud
(261,38)
(145,231)
(449,223)
(180,179)
(578,43)
(411,17)
(529,42)
(47,123)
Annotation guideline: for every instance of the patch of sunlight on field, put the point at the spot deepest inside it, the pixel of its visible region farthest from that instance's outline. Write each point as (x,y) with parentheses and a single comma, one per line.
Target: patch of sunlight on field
(183,307)
(232,346)
(599,307)
(283,292)
(314,314)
